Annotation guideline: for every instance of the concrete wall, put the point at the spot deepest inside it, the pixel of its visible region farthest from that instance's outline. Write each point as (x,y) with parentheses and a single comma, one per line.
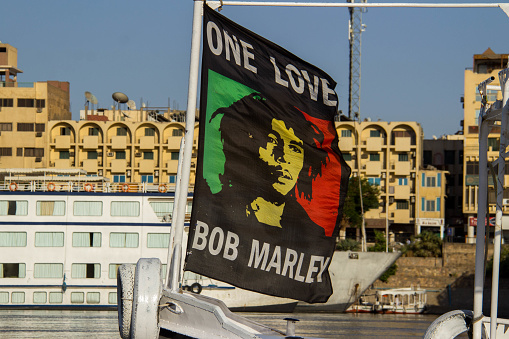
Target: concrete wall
(449,280)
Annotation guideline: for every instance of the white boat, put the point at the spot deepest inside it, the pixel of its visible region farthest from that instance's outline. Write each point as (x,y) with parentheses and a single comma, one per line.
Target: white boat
(401,301)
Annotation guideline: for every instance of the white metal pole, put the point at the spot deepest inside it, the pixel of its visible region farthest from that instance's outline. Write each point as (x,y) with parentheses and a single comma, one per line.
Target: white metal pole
(183,176)
(481,217)
(504,84)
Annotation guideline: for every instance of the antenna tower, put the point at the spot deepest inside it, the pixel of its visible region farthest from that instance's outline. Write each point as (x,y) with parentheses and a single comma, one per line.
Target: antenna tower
(355,30)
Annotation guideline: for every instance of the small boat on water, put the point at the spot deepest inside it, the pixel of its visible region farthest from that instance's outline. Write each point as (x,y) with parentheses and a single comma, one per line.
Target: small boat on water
(392,301)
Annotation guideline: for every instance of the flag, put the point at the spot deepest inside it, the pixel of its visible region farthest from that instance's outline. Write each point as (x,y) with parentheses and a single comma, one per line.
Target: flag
(270,181)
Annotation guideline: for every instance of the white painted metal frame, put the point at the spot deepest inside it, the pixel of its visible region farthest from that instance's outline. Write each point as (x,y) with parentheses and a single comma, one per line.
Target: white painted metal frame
(489,115)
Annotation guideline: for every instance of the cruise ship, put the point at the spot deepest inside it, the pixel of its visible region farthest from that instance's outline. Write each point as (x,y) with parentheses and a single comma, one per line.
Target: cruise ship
(63,235)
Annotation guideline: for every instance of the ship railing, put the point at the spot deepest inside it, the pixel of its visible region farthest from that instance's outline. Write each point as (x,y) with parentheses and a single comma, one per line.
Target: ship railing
(87,186)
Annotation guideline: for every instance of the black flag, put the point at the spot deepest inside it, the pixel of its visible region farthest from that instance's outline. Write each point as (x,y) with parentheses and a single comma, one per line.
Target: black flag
(271,181)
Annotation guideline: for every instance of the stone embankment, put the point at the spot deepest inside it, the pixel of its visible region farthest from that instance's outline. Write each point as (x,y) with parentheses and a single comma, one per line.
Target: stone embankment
(449,280)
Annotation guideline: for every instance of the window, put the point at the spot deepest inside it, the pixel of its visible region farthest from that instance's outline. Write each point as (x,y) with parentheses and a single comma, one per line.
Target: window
(162,208)
(172,179)
(347,156)
(112,272)
(13,207)
(402,181)
(40,297)
(430,182)
(6,126)
(346,133)
(125,208)
(88,208)
(148,155)
(65,131)
(112,298)
(450,157)
(26,103)
(34,152)
(472,167)
(13,239)
(374,133)
(93,131)
(158,240)
(4,102)
(403,157)
(40,103)
(77,297)
(19,152)
(86,239)
(50,207)
(4,297)
(56,297)
(150,132)
(494,144)
(174,155)
(374,181)
(64,155)
(401,204)
(5,152)
(374,157)
(25,127)
(119,178)
(40,127)
(124,240)
(189,207)
(93,297)
(86,271)
(147,178)
(121,131)
(177,132)
(8,270)
(49,239)
(17,297)
(120,155)
(92,155)
(48,271)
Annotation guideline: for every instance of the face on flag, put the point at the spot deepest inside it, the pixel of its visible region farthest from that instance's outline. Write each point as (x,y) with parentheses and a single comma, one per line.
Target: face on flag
(271,181)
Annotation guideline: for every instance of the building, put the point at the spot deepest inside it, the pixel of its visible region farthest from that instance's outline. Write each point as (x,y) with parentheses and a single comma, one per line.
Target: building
(389,154)
(446,153)
(25,109)
(485,65)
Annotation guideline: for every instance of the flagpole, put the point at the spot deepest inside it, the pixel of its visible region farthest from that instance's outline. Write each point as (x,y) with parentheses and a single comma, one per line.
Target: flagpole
(183,175)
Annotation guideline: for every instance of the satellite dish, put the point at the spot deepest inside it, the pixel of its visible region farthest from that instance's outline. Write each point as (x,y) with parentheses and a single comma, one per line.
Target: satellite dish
(131,104)
(120,97)
(126,115)
(90,98)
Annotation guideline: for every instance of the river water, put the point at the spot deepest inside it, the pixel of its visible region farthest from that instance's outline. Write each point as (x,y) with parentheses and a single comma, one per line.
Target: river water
(103,324)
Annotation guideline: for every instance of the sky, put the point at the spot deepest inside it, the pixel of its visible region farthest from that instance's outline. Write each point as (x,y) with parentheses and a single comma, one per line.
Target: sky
(412,63)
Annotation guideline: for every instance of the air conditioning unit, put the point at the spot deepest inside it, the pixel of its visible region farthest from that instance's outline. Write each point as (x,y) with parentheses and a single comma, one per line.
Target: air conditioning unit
(38,134)
(71,154)
(156,173)
(38,159)
(99,154)
(110,154)
(100,172)
(505,202)
(39,110)
(137,154)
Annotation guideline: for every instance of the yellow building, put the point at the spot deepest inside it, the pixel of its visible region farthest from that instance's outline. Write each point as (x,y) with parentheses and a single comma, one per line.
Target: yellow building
(485,65)
(389,154)
(25,108)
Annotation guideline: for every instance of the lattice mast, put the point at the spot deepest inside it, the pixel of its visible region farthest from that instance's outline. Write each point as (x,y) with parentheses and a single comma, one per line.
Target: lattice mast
(355,29)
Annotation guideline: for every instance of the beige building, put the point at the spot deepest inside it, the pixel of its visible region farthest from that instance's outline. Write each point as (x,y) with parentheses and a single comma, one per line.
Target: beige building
(389,154)
(485,65)
(25,108)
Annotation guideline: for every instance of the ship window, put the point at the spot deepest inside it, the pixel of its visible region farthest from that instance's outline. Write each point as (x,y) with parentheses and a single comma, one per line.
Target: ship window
(158,240)
(56,297)
(18,297)
(51,207)
(13,207)
(93,297)
(112,274)
(40,297)
(13,239)
(125,208)
(88,271)
(4,297)
(77,297)
(48,271)
(12,270)
(112,298)
(125,240)
(88,208)
(189,207)
(162,208)
(49,239)
(163,271)
(86,239)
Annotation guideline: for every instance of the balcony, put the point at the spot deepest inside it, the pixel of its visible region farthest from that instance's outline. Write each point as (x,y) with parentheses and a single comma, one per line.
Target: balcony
(346,144)
(402,192)
(402,168)
(402,216)
(373,168)
(91,142)
(374,144)
(118,165)
(63,142)
(147,142)
(90,165)
(172,166)
(402,144)
(146,166)
(63,163)
(119,142)
(174,142)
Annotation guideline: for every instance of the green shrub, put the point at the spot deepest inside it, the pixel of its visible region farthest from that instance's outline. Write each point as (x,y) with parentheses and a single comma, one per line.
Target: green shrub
(348,245)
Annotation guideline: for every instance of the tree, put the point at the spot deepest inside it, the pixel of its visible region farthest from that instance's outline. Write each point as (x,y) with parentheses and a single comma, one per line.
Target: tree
(353,211)
(380,246)
(426,244)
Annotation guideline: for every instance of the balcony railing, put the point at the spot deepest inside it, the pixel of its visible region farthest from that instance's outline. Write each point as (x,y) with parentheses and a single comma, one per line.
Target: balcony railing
(17,84)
